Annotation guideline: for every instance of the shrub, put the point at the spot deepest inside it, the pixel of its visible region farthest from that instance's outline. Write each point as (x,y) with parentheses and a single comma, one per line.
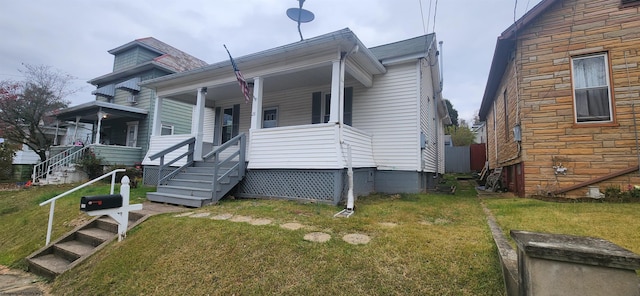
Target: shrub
(91,164)
(7,152)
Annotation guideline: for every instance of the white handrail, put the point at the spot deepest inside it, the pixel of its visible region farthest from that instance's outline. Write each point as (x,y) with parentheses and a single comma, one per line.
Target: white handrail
(52,200)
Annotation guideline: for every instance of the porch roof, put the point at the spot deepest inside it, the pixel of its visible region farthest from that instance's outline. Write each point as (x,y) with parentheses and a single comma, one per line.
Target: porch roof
(88,112)
(340,41)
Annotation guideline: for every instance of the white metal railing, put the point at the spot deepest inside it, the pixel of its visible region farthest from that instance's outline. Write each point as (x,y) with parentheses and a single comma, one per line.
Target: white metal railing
(52,164)
(40,169)
(52,201)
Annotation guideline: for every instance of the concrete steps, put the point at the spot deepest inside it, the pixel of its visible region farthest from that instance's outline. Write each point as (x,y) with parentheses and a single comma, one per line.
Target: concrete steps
(77,245)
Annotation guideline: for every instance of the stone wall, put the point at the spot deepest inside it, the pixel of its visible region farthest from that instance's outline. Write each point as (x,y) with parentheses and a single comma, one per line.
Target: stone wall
(545,102)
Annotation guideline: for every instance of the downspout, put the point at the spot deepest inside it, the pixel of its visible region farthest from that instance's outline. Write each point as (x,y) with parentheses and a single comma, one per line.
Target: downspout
(435,108)
(349,209)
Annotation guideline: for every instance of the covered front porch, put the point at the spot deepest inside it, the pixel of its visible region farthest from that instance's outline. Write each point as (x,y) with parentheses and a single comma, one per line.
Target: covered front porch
(115,135)
(299,114)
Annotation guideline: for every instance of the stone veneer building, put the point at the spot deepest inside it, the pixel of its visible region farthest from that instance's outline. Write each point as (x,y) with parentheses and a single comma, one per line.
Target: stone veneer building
(559,100)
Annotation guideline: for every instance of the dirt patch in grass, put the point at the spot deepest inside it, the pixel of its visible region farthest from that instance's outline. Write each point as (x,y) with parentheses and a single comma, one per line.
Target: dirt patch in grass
(357,239)
(292,226)
(246,219)
(318,237)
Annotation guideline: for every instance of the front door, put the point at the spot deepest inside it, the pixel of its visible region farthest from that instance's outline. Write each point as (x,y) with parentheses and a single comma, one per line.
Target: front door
(132,133)
(228,122)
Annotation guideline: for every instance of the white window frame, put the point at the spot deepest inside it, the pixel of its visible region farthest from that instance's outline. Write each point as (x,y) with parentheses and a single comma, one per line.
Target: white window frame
(605,57)
(169,127)
(264,117)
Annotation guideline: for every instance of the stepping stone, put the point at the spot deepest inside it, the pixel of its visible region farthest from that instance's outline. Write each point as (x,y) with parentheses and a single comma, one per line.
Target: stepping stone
(260,222)
(222,217)
(356,239)
(240,219)
(200,215)
(318,237)
(291,226)
(183,214)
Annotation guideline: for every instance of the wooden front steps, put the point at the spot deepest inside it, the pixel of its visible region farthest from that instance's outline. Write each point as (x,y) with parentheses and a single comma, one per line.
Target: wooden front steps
(77,245)
(192,187)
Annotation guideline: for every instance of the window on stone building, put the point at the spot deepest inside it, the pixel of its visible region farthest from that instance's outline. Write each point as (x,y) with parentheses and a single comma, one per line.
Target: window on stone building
(625,3)
(591,89)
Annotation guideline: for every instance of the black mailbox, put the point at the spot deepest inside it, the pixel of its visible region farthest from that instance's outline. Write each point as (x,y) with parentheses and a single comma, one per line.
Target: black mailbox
(100,202)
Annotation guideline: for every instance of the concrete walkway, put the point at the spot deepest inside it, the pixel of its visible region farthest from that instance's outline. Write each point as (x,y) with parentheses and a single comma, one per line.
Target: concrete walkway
(15,282)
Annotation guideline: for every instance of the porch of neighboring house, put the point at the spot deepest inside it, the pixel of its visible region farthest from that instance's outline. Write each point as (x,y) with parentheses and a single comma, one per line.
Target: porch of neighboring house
(114,139)
(297,123)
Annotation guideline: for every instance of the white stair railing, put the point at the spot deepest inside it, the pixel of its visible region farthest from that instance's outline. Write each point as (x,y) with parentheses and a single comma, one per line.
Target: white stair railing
(41,169)
(52,201)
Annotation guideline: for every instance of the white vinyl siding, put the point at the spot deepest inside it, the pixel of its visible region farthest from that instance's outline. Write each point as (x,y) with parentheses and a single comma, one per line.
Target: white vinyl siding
(428,120)
(388,111)
(297,147)
(160,143)
(209,124)
(361,148)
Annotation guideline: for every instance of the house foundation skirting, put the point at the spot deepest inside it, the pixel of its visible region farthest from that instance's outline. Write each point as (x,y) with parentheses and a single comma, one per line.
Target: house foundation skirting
(405,181)
(328,186)
(150,174)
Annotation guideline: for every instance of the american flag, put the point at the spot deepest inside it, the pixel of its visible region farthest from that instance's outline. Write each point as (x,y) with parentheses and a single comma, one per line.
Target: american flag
(243,83)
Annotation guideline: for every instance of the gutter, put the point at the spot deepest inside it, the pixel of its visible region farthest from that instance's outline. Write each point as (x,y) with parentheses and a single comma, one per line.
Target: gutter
(343,37)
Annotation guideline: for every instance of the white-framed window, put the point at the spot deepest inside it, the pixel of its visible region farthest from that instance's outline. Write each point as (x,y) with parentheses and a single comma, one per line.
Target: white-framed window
(270,117)
(591,88)
(166,130)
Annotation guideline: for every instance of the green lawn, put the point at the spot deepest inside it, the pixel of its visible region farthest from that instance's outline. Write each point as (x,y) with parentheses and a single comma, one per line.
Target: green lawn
(24,223)
(616,222)
(440,245)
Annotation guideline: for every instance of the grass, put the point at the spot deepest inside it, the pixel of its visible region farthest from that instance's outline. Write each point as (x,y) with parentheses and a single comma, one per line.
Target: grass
(616,222)
(24,223)
(440,246)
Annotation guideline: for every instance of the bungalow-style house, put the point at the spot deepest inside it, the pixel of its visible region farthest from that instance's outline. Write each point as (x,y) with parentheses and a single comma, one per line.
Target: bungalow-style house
(560,99)
(121,114)
(318,109)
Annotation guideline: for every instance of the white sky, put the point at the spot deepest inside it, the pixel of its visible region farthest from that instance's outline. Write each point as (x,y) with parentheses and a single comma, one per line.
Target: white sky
(75,35)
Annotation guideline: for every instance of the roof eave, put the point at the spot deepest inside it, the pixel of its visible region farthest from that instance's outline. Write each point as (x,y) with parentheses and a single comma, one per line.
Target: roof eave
(130,71)
(504,45)
(345,38)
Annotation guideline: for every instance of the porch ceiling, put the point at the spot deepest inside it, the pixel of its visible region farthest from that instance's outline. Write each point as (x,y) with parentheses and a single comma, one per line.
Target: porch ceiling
(318,76)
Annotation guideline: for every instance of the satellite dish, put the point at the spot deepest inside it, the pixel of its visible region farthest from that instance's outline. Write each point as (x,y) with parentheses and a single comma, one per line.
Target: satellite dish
(299,14)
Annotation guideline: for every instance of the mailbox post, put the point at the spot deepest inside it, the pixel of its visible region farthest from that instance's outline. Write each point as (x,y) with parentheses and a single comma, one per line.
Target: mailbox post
(115,206)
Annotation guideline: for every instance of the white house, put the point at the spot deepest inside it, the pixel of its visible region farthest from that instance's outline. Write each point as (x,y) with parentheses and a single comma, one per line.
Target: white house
(318,107)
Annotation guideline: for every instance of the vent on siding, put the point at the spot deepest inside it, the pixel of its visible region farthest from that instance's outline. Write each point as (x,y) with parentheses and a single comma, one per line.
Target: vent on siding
(133,99)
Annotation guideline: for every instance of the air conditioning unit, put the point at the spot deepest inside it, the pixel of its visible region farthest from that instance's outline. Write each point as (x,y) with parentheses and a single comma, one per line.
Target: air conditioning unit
(132,99)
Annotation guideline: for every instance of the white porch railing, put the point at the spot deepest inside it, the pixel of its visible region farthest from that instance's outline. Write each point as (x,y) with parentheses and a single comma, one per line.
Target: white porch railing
(312,146)
(52,201)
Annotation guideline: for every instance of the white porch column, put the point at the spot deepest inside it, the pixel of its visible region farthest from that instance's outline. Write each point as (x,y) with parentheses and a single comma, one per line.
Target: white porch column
(55,139)
(198,121)
(337,76)
(100,114)
(75,132)
(156,128)
(256,106)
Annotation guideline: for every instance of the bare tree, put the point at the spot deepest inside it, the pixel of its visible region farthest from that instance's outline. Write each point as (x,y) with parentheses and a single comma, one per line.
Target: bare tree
(26,106)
